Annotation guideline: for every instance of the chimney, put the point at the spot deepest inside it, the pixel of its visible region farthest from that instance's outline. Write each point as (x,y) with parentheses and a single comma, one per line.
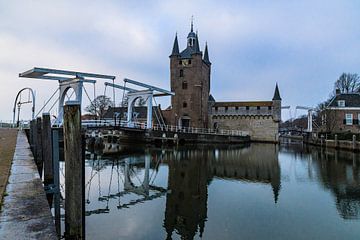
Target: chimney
(337,91)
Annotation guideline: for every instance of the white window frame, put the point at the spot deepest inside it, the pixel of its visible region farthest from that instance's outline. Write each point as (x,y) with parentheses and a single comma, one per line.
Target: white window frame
(341,103)
(348,119)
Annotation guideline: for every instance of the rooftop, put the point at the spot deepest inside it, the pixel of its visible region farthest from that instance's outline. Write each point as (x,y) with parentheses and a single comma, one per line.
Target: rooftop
(351,100)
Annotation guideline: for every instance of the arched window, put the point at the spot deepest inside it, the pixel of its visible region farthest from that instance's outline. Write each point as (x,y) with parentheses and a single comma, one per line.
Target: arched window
(184,85)
(181,72)
(184,104)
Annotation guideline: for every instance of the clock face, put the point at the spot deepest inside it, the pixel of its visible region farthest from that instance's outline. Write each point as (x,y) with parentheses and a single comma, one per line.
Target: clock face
(185,62)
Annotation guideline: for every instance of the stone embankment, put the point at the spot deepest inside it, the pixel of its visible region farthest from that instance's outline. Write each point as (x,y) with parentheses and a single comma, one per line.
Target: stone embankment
(353,145)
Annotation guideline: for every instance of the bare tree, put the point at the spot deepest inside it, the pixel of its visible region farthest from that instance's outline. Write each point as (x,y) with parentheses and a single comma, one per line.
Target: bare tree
(99,106)
(348,83)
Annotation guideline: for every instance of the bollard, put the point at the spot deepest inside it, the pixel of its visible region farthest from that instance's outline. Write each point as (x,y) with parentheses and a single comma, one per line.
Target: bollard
(336,141)
(39,160)
(47,150)
(74,172)
(354,142)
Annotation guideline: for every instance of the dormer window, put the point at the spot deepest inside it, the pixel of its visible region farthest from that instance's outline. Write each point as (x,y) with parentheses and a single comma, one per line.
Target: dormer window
(341,103)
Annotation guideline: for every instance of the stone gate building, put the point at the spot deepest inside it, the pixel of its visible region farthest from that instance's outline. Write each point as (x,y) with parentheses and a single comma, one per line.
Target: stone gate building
(194,106)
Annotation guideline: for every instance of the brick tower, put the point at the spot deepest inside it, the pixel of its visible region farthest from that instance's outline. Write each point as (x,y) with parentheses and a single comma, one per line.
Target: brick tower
(190,80)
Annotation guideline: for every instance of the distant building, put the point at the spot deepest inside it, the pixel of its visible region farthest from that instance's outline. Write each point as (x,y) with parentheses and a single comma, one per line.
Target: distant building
(139,114)
(342,114)
(194,106)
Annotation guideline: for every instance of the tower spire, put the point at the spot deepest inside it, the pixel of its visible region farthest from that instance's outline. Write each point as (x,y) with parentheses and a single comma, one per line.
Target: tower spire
(206,55)
(192,23)
(197,46)
(175,50)
(276,93)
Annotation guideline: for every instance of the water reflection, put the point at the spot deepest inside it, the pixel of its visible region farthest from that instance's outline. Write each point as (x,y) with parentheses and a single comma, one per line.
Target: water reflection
(179,181)
(337,171)
(191,171)
(124,169)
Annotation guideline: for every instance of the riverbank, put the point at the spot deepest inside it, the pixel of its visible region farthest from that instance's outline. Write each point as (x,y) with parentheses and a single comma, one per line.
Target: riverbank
(7,148)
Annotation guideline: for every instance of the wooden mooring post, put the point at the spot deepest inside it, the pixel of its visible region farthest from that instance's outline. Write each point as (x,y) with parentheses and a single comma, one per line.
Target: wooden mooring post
(47,149)
(74,173)
(32,135)
(38,148)
(56,156)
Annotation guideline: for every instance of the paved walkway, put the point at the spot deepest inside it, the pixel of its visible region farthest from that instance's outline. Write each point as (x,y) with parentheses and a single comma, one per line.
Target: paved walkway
(25,213)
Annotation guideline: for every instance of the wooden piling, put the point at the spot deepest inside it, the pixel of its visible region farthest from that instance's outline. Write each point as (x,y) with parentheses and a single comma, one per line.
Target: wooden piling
(74,172)
(32,135)
(39,159)
(56,156)
(47,150)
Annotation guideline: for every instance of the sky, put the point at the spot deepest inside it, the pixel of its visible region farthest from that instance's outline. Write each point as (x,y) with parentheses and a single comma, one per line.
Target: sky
(304,46)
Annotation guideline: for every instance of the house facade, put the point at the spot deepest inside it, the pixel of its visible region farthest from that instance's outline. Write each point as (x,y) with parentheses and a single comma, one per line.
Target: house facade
(342,114)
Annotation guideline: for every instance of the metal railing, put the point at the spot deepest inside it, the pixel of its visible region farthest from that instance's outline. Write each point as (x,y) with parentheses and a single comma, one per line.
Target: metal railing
(10,124)
(162,127)
(170,128)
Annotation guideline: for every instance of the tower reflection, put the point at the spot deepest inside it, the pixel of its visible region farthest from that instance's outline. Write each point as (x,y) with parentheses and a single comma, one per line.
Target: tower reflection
(191,171)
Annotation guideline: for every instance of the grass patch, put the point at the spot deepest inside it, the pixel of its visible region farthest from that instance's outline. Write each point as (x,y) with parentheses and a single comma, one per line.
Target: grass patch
(7,147)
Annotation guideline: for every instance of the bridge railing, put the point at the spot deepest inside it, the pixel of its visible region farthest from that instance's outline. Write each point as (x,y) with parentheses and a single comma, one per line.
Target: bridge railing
(111,123)
(162,127)
(170,128)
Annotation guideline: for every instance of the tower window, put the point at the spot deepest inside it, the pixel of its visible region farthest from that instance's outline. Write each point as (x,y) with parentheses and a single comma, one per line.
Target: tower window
(247,107)
(180,62)
(189,61)
(258,107)
(184,104)
(269,107)
(184,85)
(181,72)
(216,108)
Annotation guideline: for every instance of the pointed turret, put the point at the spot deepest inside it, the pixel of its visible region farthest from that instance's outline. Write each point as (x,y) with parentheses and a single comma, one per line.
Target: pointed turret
(197,47)
(276,104)
(206,55)
(175,50)
(276,93)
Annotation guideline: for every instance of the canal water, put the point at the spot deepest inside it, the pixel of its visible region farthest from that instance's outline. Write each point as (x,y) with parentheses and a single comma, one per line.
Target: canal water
(261,191)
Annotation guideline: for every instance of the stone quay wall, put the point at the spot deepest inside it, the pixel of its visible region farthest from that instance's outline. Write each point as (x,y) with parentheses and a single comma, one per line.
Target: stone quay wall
(260,128)
(353,145)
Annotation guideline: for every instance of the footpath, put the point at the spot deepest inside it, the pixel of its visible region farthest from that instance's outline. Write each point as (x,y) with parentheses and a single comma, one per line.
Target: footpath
(25,212)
